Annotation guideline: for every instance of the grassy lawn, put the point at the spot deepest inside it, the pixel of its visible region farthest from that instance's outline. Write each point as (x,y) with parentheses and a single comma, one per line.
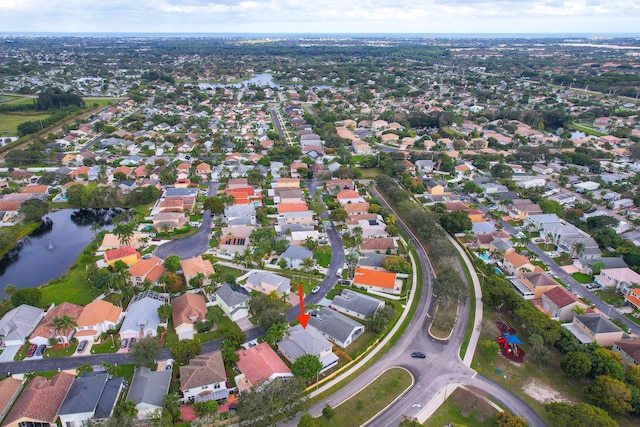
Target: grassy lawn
(220,320)
(582,278)
(610,297)
(463,408)
(9,122)
(370,400)
(370,172)
(547,247)
(444,320)
(223,270)
(633,318)
(72,287)
(171,337)
(586,129)
(323,256)
(107,346)
(62,351)
(361,343)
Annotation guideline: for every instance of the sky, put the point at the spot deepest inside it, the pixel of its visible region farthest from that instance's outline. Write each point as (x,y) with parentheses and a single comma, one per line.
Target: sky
(321,16)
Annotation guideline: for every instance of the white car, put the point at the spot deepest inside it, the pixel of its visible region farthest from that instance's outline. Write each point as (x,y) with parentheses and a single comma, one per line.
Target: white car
(315,289)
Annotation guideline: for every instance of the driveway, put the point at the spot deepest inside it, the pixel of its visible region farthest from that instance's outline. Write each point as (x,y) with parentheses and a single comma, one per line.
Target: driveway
(8,353)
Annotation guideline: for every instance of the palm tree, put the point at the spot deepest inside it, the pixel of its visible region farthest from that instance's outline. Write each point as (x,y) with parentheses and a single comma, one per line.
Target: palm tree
(124,232)
(308,263)
(95,228)
(578,249)
(63,323)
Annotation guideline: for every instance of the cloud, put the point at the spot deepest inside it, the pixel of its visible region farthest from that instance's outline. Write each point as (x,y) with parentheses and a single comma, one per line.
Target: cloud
(283,16)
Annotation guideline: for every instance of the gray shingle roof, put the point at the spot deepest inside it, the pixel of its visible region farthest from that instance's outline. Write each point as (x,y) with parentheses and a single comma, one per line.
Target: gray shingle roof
(597,324)
(109,397)
(84,394)
(19,322)
(297,252)
(232,294)
(333,323)
(356,302)
(149,386)
(302,341)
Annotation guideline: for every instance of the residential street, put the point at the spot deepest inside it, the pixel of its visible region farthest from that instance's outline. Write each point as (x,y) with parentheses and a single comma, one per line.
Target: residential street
(575,287)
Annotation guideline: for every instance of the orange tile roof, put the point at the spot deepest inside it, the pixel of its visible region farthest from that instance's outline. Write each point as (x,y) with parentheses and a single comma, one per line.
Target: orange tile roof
(192,266)
(8,388)
(356,207)
(143,267)
(634,297)
(41,399)
(348,194)
(380,279)
(516,259)
(66,308)
(188,309)
(260,363)
(292,207)
(99,311)
(35,189)
(118,253)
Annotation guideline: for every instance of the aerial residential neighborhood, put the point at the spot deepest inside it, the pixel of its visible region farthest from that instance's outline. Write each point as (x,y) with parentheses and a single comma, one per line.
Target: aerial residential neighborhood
(193,238)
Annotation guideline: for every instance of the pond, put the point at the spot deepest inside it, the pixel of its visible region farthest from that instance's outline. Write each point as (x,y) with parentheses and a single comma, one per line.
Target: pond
(52,248)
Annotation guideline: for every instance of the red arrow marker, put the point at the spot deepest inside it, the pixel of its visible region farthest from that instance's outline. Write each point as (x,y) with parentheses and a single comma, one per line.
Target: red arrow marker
(303,318)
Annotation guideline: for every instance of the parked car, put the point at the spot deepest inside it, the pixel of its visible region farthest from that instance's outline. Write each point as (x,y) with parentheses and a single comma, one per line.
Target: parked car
(82,346)
(346,282)
(169,365)
(132,341)
(41,349)
(32,350)
(123,343)
(418,354)
(315,289)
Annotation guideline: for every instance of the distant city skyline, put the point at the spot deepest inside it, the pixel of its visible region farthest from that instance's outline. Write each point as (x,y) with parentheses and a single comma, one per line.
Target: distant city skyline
(322,16)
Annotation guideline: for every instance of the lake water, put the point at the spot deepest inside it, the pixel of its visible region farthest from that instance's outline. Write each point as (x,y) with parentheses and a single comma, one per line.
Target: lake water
(49,252)
(263,79)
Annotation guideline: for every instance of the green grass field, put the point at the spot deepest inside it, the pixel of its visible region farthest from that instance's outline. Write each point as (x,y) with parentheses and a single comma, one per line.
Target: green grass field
(323,256)
(463,408)
(582,278)
(9,122)
(370,400)
(370,172)
(586,129)
(72,287)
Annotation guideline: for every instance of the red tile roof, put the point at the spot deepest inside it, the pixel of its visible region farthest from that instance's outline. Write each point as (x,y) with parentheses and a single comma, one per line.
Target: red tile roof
(260,363)
(560,296)
(118,253)
(380,279)
(41,399)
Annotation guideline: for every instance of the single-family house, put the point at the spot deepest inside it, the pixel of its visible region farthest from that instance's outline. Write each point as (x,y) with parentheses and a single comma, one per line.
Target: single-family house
(111,241)
(126,254)
(434,188)
(204,378)
(515,264)
(560,303)
(148,389)
(538,281)
(588,328)
(376,280)
(17,324)
(267,282)
(40,401)
(587,265)
(622,279)
(10,388)
(259,364)
(236,215)
(379,245)
(187,310)
(356,304)
(295,256)
(197,267)
(349,196)
(235,239)
(92,396)
(633,298)
(97,317)
(142,319)
(299,341)
(150,269)
(46,329)
(336,327)
(233,301)
(629,350)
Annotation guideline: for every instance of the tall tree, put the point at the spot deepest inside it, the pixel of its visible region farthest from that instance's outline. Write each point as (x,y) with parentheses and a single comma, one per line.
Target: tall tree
(145,351)
(307,366)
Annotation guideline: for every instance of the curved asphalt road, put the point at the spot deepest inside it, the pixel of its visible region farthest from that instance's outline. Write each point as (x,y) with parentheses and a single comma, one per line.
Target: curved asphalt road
(195,245)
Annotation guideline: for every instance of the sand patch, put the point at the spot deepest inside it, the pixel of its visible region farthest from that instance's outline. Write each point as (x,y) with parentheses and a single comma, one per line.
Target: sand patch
(543,393)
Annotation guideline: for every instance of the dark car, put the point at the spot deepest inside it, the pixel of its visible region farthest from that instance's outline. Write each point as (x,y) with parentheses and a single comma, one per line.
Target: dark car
(132,341)
(81,346)
(41,349)
(123,343)
(32,350)
(418,354)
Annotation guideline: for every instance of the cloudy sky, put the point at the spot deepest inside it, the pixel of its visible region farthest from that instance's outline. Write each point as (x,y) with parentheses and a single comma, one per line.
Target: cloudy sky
(321,16)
